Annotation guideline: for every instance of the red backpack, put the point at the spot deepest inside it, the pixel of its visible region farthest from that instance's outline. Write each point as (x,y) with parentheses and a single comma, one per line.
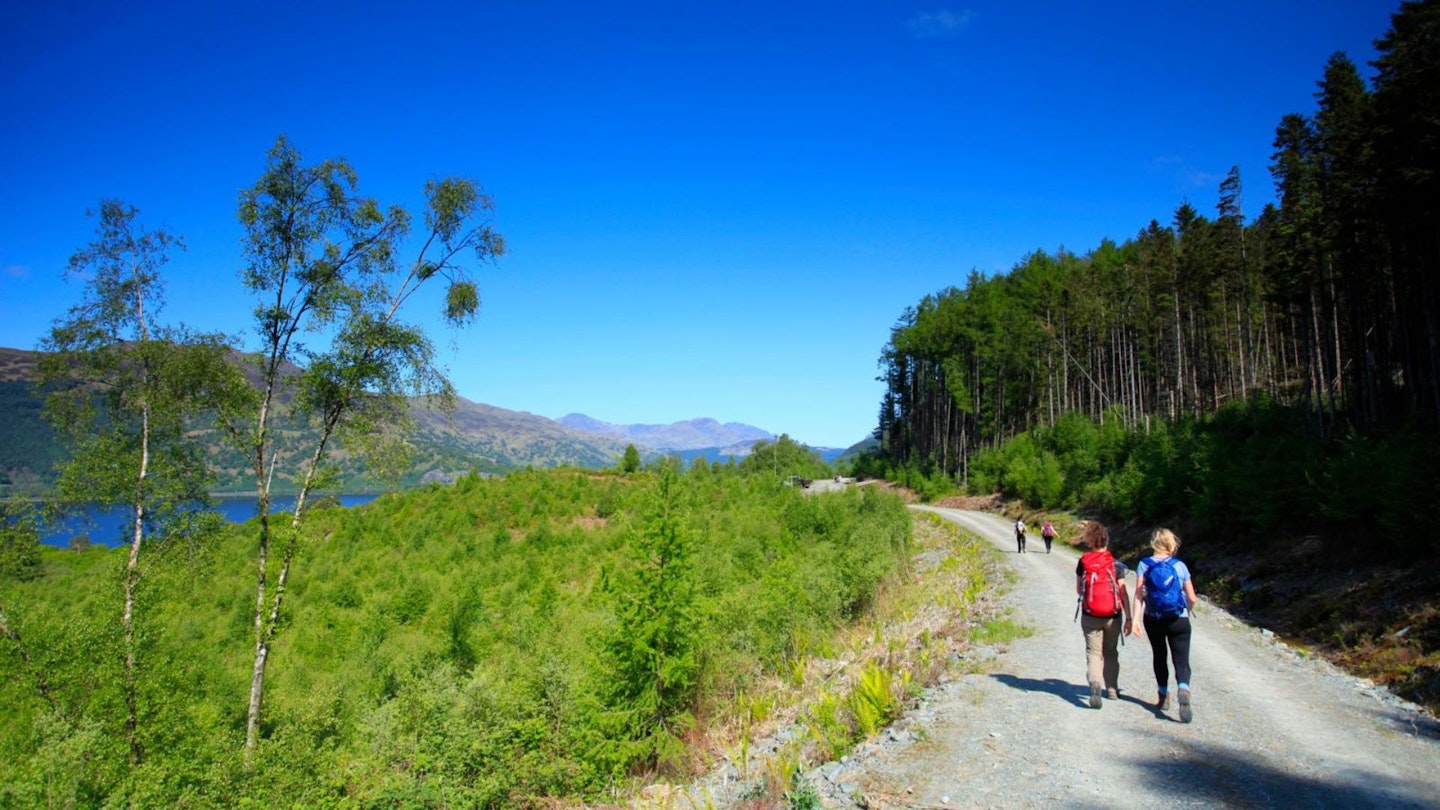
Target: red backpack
(1102,592)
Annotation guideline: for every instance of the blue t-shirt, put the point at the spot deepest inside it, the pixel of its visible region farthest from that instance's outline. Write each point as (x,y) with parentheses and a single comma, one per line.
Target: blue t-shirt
(1180,571)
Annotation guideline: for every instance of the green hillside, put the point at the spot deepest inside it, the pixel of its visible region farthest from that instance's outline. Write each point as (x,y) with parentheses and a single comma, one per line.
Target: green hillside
(28,451)
(469,437)
(491,643)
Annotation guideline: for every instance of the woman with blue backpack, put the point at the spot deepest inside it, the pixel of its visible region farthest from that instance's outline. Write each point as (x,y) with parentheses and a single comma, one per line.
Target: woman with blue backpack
(1164,595)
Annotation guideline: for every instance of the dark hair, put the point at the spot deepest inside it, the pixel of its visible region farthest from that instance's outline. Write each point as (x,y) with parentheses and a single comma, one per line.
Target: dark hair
(1095,536)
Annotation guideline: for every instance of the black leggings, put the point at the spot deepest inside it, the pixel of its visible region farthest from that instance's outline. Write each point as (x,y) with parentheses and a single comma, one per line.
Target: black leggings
(1174,631)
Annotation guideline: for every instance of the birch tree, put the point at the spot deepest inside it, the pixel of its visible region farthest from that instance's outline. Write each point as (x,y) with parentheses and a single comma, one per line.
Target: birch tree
(323,263)
(123,387)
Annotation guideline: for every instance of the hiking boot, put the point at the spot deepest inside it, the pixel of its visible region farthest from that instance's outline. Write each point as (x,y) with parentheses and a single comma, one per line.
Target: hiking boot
(1162,703)
(1112,693)
(1185,713)
(1095,696)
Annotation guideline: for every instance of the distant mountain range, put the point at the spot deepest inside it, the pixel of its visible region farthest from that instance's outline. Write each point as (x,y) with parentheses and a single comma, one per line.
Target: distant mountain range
(695,434)
(695,438)
(473,436)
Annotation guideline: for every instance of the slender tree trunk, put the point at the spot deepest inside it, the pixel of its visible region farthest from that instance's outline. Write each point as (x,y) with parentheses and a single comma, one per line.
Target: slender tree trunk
(264,472)
(262,647)
(1317,365)
(1195,354)
(1337,378)
(1248,298)
(1066,404)
(1177,400)
(265,630)
(132,563)
(965,455)
(1265,329)
(1244,351)
(1287,348)
(945,434)
(1226,364)
(132,575)
(1137,376)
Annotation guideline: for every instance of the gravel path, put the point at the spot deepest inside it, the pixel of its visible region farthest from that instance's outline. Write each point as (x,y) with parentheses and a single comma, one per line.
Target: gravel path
(1272,727)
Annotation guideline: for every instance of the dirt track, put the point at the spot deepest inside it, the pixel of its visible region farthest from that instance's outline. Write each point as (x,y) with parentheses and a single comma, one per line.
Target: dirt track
(1272,728)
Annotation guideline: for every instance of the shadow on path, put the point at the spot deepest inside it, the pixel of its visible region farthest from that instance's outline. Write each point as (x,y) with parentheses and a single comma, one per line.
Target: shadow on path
(1074,694)
(1065,690)
(1221,776)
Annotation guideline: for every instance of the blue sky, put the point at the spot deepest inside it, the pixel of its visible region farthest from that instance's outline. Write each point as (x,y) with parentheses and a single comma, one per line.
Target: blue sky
(712,209)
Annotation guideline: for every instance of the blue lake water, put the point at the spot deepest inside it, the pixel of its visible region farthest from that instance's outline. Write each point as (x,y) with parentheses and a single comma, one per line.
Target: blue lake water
(110,526)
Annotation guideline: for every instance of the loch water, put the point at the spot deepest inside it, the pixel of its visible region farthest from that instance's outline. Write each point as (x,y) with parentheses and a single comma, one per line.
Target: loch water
(109,526)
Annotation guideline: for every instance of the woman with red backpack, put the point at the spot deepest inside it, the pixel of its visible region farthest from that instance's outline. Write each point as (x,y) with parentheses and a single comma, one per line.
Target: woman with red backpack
(1164,595)
(1100,583)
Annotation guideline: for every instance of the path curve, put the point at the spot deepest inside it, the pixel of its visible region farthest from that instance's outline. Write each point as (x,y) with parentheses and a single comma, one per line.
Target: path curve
(1272,728)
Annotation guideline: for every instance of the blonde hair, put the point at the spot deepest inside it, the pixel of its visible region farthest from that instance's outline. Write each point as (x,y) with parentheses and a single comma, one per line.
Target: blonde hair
(1165,542)
(1096,536)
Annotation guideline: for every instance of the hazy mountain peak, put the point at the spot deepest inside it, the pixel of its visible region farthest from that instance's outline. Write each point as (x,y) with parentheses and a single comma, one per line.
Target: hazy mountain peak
(691,434)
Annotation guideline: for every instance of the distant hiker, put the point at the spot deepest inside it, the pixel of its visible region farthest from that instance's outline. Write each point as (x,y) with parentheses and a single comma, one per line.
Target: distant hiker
(1100,584)
(1020,536)
(1047,532)
(1164,587)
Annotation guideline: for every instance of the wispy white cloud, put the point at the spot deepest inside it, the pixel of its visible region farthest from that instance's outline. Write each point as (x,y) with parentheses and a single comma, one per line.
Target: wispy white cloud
(1203,179)
(17,271)
(1185,175)
(943,23)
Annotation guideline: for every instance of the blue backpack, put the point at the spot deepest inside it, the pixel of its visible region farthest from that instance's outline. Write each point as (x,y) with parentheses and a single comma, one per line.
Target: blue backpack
(1164,592)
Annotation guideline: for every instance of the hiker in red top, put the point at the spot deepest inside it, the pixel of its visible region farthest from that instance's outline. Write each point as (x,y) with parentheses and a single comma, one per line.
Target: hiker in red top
(1100,584)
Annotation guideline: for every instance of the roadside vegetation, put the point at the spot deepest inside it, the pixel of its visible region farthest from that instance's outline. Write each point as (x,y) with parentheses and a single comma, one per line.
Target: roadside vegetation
(499,642)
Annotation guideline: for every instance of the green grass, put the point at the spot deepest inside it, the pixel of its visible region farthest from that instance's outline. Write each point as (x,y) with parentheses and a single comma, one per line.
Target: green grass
(443,647)
(1001,630)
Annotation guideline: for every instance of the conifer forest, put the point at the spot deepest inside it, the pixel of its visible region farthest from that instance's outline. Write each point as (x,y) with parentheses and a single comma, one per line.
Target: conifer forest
(1300,336)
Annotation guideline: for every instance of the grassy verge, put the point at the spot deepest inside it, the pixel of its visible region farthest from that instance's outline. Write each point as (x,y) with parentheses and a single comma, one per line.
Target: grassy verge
(923,627)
